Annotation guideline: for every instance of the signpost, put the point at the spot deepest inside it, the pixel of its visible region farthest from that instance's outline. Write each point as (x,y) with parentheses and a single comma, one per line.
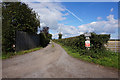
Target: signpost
(87,35)
(87,42)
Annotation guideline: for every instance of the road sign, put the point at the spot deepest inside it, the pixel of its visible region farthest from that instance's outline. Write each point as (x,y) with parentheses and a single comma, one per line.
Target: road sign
(87,35)
(87,38)
(87,43)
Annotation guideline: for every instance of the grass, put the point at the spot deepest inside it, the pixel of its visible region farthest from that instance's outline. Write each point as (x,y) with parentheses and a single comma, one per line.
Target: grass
(11,54)
(110,61)
(53,45)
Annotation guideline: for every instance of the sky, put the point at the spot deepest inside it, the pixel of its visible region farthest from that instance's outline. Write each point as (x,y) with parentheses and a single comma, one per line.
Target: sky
(75,18)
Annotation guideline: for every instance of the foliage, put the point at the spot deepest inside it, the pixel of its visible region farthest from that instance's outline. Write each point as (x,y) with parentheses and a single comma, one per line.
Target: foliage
(50,36)
(60,36)
(109,58)
(78,43)
(44,40)
(45,36)
(75,46)
(45,30)
(16,16)
(98,41)
(97,51)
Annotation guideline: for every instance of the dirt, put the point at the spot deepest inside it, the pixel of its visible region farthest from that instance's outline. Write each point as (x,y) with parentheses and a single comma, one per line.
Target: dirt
(53,62)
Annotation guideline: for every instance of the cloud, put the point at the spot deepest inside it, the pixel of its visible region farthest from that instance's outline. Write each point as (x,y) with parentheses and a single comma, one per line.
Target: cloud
(111,9)
(55,35)
(111,18)
(108,26)
(66,14)
(41,1)
(50,13)
(67,31)
(99,18)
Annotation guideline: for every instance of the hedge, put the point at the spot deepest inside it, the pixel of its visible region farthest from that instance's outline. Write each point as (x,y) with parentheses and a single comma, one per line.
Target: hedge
(44,40)
(77,43)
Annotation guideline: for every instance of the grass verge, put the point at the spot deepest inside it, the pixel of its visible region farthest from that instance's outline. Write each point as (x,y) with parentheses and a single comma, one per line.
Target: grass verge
(11,54)
(109,61)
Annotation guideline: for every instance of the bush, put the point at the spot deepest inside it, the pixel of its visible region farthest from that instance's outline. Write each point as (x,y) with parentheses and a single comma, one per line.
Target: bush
(16,16)
(60,36)
(98,41)
(44,41)
(78,44)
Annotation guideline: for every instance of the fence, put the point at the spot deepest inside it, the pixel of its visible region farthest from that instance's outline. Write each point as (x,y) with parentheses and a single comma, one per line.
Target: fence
(113,45)
(25,41)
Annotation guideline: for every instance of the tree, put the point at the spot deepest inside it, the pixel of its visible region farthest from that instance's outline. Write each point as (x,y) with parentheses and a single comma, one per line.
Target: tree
(17,16)
(43,39)
(45,36)
(60,36)
(50,36)
(45,30)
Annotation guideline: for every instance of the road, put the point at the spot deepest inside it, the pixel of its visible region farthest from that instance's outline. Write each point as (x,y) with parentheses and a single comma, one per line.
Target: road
(53,62)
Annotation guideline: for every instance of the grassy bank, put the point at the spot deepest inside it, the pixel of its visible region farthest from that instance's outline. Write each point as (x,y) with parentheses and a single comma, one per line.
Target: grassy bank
(110,61)
(11,54)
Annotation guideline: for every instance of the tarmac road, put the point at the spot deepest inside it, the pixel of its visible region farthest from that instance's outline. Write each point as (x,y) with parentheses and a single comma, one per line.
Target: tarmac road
(53,62)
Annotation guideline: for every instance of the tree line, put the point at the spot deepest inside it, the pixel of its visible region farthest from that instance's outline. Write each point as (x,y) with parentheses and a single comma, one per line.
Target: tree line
(18,16)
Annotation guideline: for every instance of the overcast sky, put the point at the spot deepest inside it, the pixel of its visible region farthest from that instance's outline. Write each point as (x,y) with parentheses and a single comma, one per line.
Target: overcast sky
(75,18)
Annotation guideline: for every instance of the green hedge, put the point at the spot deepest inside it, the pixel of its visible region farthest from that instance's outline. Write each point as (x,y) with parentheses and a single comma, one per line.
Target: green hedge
(75,46)
(44,40)
(98,41)
(78,44)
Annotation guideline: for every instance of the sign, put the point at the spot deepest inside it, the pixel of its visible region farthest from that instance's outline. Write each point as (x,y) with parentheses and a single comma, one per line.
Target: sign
(87,35)
(87,43)
(87,38)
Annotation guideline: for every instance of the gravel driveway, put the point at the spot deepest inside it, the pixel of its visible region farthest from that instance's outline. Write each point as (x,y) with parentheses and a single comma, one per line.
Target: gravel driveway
(53,62)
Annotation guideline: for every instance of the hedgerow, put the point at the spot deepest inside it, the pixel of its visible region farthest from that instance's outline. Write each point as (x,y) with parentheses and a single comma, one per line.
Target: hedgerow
(75,47)
(97,42)
(44,40)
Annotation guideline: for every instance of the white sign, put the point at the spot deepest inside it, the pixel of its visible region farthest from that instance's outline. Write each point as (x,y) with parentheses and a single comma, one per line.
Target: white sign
(87,43)
(87,38)
(87,35)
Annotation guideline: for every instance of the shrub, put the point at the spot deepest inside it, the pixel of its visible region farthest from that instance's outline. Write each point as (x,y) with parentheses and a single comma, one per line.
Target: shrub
(60,36)
(78,44)
(44,40)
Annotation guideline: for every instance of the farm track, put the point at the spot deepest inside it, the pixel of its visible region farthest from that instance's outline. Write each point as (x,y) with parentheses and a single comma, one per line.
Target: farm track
(53,62)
